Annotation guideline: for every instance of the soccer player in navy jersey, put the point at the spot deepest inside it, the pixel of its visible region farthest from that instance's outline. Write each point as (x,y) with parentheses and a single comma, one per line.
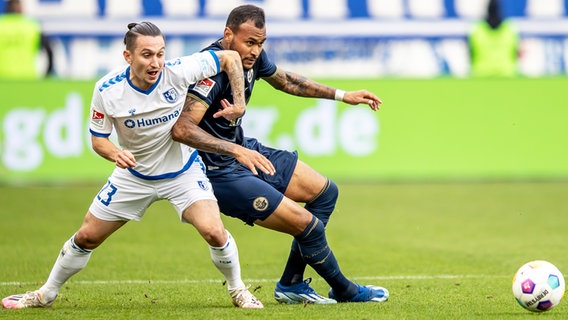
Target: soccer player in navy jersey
(269,198)
(141,102)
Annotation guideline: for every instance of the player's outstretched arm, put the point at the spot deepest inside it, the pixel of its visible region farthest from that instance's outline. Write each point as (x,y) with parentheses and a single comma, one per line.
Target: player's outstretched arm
(108,150)
(301,86)
(361,97)
(186,131)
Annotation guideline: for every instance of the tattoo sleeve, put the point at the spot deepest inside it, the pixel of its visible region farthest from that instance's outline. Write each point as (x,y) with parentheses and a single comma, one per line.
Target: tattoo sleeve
(201,140)
(299,85)
(188,132)
(234,70)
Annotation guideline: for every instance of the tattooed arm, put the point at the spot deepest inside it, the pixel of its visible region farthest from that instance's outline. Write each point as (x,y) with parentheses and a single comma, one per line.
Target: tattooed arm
(231,64)
(301,86)
(187,131)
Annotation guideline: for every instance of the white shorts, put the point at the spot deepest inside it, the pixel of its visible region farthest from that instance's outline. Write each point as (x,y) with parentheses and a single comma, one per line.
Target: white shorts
(126,197)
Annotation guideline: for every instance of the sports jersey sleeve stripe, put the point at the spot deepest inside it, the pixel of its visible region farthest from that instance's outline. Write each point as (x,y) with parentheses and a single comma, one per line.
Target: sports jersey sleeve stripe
(199,66)
(271,75)
(198,98)
(217,63)
(98,134)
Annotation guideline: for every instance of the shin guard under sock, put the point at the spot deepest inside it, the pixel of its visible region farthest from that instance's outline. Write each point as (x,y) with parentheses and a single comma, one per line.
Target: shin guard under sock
(316,252)
(71,260)
(322,207)
(226,259)
(323,204)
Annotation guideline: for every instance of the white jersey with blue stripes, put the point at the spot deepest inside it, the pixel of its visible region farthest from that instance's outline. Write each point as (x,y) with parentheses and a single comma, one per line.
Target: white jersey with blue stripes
(143,119)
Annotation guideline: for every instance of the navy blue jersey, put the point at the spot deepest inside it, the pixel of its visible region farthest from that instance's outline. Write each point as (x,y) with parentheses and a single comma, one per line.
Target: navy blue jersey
(211,91)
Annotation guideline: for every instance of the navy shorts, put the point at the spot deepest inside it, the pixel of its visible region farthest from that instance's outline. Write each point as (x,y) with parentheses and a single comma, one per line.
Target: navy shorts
(243,195)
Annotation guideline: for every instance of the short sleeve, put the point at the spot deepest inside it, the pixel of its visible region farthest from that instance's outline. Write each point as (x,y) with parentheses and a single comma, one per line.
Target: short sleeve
(199,65)
(266,67)
(100,124)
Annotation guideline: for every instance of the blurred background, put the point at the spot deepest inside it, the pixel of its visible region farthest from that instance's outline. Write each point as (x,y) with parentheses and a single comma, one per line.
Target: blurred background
(471,91)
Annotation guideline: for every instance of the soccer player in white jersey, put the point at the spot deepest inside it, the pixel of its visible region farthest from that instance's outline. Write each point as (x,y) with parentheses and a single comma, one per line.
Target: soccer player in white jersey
(142,102)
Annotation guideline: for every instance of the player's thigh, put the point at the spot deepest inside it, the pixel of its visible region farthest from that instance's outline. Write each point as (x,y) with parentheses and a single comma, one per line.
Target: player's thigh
(289,217)
(305,184)
(124,197)
(284,162)
(205,217)
(202,212)
(187,189)
(245,196)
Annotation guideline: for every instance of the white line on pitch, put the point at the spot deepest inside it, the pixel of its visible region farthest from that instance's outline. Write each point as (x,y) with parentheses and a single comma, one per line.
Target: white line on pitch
(188,281)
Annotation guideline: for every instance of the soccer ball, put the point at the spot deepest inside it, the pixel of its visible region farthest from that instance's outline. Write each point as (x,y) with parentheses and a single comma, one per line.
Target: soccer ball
(538,286)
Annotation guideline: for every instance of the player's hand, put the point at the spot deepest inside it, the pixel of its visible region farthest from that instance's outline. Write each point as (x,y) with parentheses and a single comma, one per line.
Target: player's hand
(253,159)
(363,97)
(125,159)
(229,111)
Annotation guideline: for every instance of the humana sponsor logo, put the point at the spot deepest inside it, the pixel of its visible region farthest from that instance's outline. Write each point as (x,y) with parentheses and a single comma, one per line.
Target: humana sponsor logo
(140,123)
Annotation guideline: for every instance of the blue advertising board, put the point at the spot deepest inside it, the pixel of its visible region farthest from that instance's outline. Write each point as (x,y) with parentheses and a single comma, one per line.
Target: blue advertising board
(323,38)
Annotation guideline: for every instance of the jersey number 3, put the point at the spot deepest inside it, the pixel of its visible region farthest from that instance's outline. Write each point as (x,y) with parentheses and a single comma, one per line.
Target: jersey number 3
(106,193)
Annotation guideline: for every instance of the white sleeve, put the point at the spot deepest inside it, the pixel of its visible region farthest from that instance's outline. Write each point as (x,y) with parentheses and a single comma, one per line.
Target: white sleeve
(200,65)
(99,122)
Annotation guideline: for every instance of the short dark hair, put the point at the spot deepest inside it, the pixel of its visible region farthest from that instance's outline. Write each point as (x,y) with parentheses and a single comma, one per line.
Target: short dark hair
(244,13)
(143,28)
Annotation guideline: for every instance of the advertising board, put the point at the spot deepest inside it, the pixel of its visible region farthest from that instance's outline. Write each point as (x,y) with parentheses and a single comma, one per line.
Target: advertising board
(435,129)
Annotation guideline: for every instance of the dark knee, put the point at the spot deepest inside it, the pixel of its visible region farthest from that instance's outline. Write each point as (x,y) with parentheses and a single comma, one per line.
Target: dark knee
(328,194)
(332,191)
(323,204)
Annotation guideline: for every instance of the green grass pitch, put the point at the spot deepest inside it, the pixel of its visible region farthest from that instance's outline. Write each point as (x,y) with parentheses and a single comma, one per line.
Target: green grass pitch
(445,251)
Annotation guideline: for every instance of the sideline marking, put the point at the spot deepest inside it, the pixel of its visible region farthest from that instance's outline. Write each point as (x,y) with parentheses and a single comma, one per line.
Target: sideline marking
(187,281)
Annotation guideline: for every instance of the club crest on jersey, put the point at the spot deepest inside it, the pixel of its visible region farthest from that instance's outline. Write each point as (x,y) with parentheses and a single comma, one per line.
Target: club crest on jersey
(171,95)
(204,86)
(250,74)
(203,185)
(260,204)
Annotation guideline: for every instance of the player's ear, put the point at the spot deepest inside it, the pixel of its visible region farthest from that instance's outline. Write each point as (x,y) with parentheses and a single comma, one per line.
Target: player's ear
(127,56)
(228,34)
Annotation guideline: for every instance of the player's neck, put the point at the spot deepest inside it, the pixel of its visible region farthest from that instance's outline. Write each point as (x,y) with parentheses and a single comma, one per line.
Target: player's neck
(224,44)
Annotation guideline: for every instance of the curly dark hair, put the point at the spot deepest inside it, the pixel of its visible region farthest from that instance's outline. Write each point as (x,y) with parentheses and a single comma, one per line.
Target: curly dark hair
(244,13)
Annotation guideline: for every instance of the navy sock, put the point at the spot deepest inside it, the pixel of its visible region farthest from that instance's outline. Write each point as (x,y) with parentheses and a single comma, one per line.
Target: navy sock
(323,204)
(322,207)
(295,266)
(316,252)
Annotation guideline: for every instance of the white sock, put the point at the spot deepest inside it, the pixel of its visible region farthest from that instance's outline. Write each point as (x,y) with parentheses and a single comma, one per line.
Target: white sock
(226,259)
(71,260)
